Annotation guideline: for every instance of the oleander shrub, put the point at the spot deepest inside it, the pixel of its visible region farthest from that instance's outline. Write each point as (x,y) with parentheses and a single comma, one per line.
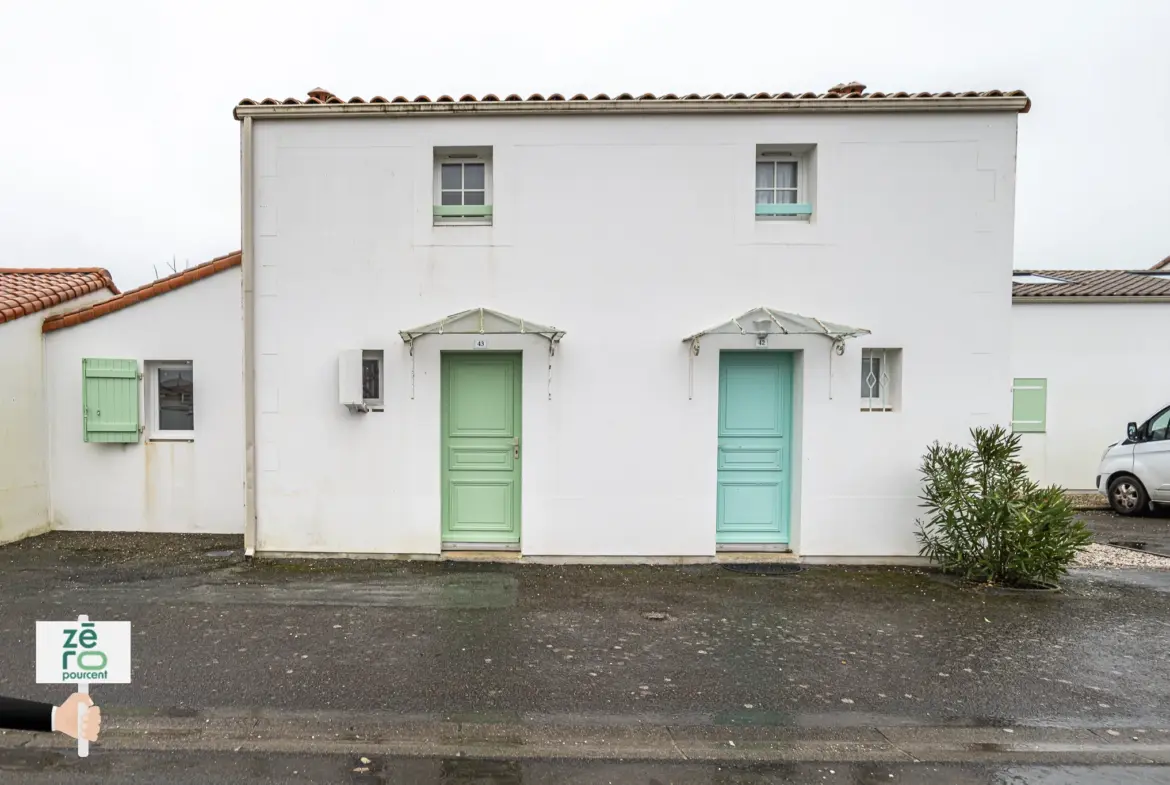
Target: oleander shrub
(987,521)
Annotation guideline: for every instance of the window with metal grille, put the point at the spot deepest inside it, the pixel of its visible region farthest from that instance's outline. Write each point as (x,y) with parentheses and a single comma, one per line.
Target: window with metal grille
(880,371)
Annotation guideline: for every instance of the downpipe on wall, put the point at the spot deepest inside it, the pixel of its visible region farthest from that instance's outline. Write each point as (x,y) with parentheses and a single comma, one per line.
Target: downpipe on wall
(248,262)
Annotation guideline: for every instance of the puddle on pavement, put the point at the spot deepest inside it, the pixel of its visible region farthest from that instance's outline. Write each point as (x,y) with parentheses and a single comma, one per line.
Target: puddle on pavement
(23,760)
(765,569)
(178,712)
(840,719)
(21,765)
(464,771)
(459,591)
(1082,775)
(30,760)
(481,772)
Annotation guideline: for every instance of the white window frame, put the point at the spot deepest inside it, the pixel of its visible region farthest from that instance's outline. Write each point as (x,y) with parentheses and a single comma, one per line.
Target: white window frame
(469,155)
(885,383)
(799,155)
(153,400)
(780,158)
(378,356)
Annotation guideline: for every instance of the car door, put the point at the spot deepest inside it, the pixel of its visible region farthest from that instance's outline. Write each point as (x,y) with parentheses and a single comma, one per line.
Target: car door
(1151,457)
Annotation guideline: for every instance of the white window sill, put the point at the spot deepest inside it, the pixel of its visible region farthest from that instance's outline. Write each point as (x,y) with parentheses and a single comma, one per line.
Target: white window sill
(462,215)
(803,219)
(171,438)
(463,222)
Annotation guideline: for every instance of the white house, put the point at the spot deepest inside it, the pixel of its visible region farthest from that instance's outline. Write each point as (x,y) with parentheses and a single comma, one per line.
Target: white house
(1088,356)
(26,296)
(145,407)
(637,327)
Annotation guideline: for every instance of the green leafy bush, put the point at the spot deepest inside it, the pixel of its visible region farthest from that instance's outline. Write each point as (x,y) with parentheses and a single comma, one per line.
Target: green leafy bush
(988,521)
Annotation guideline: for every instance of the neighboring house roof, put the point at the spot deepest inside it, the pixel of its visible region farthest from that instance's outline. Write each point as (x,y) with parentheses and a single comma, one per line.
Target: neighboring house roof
(26,290)
(161,286)
(839,97)
(1162,265)
(1096,284)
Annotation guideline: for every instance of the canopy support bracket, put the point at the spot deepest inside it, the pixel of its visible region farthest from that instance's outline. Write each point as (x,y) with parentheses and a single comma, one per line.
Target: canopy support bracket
(691,370)
(410,345)
(482,321)
(552,350)
(769,321)
(838,348)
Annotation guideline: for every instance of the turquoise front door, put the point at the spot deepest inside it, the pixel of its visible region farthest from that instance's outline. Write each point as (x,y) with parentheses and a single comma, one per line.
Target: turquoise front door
(755,441)
(480,447)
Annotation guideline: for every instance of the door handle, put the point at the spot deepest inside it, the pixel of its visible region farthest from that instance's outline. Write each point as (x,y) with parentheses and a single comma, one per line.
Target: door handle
(515,446)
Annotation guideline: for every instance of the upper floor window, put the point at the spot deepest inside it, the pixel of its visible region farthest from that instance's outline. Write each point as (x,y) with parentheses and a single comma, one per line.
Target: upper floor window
(776,182)
(463,185)
(784,182)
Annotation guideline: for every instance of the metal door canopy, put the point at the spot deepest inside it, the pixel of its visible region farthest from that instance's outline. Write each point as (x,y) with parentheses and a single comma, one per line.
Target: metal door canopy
(482,321)
(771,321)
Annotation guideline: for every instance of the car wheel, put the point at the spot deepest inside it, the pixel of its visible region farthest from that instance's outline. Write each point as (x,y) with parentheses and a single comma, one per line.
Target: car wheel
(1127,496)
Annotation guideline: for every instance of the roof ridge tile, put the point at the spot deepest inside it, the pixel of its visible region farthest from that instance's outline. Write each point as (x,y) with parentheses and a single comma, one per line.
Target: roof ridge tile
(140,294)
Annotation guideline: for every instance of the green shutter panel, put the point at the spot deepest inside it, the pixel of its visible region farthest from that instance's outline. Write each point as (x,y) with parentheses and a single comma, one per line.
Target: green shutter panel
(1029,405)
(109,399)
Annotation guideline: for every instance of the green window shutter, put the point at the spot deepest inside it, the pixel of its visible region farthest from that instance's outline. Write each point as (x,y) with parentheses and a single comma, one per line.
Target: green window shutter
(109,399)
(1029,405)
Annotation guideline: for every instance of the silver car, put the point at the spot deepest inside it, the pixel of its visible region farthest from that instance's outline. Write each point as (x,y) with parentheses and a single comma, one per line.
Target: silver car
(1135,473)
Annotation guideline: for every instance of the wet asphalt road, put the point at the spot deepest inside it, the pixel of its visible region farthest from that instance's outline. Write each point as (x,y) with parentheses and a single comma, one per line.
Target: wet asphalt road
(51,768)
(1152,530)
(822,647)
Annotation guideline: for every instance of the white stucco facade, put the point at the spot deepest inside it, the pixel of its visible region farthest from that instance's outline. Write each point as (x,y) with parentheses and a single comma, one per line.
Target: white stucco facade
(1105,366)
(153,485)
(24,469)
(628,233)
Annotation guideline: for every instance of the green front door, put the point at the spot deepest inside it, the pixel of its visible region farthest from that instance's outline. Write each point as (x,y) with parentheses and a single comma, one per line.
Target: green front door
(755,440)
(481,447)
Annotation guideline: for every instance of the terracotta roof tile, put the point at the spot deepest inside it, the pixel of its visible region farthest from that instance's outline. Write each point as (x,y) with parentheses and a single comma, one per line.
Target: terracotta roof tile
(25,290)
(854,91)
(142,293)
(1092,283)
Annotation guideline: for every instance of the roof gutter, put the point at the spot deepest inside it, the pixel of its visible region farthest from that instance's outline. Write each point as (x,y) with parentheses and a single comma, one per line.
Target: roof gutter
(655,106)
(1072,300)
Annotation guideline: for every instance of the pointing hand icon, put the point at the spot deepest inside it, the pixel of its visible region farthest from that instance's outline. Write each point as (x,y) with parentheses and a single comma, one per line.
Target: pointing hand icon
(65,718)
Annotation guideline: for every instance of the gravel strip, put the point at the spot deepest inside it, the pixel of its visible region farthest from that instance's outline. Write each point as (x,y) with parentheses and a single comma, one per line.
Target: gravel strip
(1097,556)
(1087,501)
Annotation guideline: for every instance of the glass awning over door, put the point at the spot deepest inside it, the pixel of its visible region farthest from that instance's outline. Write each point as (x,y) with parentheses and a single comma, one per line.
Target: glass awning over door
(760,323)
(483,321)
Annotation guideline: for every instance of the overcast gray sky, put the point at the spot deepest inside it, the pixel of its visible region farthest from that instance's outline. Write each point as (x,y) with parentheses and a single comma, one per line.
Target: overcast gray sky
(119,148)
